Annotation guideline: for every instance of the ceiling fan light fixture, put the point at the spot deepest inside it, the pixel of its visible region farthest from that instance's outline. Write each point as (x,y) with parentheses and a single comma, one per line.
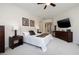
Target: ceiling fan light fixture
(47,4)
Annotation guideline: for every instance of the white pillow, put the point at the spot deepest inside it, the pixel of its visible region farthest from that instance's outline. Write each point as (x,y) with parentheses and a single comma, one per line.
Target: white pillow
(26,33)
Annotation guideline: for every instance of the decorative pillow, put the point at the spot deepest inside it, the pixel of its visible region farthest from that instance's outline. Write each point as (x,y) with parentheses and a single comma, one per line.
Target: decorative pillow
(32,32)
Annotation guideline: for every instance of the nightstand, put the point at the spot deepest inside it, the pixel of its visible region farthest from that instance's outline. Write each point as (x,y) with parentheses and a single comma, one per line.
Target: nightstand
(15,41)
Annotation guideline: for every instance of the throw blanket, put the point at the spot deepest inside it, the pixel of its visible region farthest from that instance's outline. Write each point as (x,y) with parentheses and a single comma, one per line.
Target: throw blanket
(43,35)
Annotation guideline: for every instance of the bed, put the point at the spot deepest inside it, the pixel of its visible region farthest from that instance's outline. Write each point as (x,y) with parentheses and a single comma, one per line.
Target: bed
(38,40)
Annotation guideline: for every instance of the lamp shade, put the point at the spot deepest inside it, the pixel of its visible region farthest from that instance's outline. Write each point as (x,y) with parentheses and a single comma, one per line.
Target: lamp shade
(15,27)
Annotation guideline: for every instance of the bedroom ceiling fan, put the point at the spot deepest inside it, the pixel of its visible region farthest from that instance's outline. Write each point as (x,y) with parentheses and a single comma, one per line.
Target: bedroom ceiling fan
(46,4)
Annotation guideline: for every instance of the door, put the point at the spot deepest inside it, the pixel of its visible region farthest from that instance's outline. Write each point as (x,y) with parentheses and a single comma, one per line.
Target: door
(2,45)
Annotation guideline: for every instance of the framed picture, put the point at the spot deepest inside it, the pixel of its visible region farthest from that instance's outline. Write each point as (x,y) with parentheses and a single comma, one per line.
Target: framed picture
(32,23)
(25,21)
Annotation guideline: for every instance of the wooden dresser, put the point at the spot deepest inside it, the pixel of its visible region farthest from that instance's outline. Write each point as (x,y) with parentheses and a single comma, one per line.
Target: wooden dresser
(67,36)
(2,39)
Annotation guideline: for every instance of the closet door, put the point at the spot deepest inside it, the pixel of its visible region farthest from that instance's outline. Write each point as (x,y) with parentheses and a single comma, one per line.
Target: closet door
(2,37)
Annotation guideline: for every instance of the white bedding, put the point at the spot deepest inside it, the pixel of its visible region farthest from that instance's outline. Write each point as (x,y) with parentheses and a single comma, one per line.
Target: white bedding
(38,41)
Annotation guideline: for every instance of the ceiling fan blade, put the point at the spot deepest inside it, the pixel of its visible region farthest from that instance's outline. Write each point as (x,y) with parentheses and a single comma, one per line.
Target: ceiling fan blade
(40,3)
(52,4)
(45,6)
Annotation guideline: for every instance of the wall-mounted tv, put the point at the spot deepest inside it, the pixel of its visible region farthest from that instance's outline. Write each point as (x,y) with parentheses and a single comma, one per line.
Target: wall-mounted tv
(65,23)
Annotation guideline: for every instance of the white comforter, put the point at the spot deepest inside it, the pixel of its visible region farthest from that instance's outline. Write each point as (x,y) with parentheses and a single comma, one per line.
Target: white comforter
(38,41)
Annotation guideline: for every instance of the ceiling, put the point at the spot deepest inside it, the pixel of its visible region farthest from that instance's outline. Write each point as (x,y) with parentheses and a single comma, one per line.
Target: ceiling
(49,12)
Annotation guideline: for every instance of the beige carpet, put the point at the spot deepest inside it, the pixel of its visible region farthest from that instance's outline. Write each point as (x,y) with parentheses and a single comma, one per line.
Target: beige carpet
(55,47)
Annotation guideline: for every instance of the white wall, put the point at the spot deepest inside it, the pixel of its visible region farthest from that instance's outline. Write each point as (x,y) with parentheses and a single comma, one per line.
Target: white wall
(11,15)
(73,14)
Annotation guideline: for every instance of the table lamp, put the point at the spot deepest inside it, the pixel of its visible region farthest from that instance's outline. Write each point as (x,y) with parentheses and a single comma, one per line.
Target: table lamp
(15,28)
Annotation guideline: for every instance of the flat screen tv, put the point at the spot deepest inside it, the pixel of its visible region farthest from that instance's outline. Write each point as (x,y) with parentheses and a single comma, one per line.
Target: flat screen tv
(65,23)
